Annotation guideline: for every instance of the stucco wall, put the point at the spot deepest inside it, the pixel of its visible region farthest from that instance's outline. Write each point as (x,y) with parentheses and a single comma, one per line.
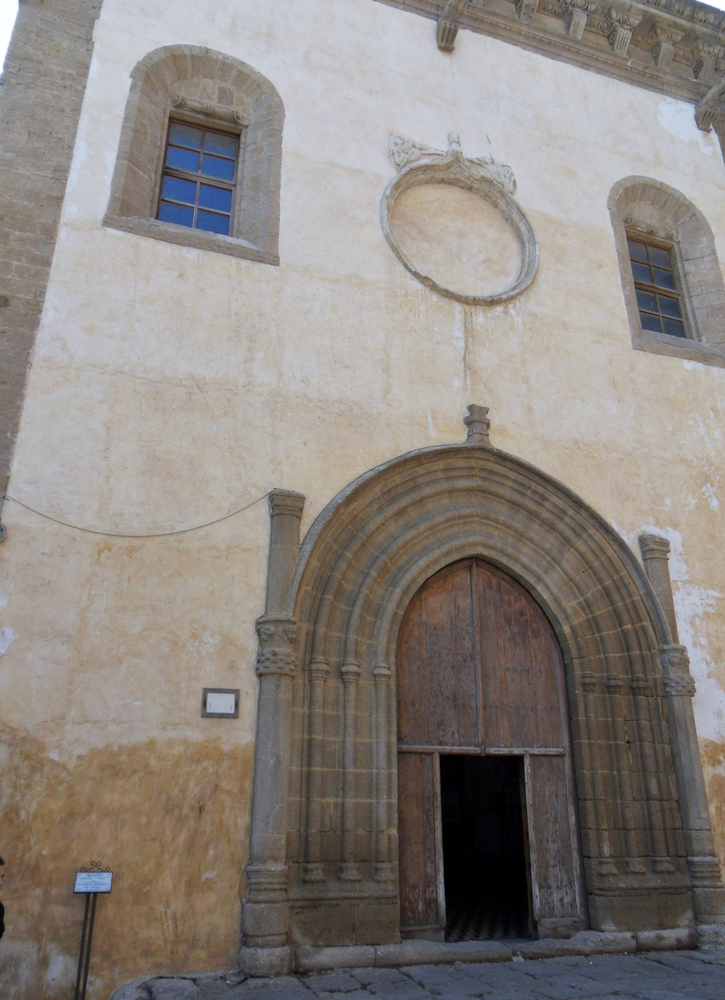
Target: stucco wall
(171,386)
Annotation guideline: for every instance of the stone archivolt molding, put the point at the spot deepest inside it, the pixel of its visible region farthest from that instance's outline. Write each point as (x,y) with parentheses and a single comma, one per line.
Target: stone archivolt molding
(361,563)
(493,182)
(675,47)
(323,863)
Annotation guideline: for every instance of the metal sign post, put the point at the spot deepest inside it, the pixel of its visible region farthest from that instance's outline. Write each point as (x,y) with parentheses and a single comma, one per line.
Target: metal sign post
(89,881)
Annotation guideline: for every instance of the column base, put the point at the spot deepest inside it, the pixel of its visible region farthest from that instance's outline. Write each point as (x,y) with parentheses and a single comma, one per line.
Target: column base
(383,872)
(710,936)
(265,961)
(313,871)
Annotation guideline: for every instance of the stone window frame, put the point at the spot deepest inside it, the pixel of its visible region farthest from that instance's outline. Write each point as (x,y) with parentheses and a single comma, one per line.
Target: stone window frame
(650,209)
(203,87)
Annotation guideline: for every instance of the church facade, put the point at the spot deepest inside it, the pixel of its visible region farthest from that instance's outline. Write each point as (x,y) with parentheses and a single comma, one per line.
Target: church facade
(362,398)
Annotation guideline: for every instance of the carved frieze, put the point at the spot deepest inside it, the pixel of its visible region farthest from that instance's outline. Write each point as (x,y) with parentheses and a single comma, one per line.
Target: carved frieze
(671,46)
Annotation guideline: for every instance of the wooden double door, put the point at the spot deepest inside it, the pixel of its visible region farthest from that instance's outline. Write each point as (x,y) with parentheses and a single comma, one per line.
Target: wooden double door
(480,674)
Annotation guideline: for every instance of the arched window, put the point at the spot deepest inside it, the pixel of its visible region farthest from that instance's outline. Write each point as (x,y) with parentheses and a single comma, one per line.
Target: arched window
(671,279)
(200,154)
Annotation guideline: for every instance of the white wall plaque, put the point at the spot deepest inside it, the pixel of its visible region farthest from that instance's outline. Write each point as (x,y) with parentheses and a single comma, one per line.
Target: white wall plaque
(220,703)
(93,882)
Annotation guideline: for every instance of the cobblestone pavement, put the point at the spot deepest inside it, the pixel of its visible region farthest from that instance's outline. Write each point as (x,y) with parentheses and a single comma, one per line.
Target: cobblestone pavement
(696,975)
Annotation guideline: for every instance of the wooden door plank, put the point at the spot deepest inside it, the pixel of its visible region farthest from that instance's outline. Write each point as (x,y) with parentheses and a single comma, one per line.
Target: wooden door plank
(419,869)
(556,870)
(520,665)
(438,820)
(436,677)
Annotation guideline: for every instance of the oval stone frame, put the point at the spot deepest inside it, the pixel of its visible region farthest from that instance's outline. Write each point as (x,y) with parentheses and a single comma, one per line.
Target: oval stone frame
(456,171)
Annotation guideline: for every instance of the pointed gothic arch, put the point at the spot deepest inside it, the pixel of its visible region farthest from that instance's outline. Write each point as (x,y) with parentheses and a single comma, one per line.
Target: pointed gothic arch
(363,559)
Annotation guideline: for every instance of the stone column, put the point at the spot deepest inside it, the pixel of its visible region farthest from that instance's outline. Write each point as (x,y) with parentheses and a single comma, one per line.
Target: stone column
(265,916)
(383,868)
(317,673)
(349,870)
(679,687)
(656,557)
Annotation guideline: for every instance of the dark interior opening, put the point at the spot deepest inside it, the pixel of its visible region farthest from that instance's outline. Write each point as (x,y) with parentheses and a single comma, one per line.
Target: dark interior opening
(484,848)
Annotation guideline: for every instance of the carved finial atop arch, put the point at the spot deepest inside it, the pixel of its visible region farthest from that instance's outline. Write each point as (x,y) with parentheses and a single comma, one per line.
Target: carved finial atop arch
(478,425)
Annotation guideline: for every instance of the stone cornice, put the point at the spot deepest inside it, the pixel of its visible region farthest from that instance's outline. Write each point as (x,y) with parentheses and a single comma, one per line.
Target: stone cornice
(674,47)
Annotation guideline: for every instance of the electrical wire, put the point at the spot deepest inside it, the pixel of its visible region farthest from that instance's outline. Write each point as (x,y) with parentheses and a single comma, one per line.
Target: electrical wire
(114,534)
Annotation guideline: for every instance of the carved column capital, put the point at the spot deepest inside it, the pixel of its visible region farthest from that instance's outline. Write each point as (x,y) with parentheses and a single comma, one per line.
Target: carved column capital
(677,681)
(286,502)
(277,636)
(654,547)
(674,659)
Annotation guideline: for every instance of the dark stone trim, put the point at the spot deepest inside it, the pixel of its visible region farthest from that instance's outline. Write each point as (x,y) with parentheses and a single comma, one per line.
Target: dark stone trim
(40,103)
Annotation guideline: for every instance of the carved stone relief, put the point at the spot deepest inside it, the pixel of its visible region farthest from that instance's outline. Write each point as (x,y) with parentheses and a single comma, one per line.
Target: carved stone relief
(454,225)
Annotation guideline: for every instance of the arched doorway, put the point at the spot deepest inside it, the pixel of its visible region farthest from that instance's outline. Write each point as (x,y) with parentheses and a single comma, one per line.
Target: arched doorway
(323,866)
(488,843)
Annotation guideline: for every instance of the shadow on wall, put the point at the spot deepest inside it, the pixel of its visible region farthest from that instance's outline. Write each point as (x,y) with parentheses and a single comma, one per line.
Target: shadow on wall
(169,818)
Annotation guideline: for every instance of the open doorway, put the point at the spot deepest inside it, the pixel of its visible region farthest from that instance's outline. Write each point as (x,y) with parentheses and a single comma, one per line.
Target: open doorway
(485,852)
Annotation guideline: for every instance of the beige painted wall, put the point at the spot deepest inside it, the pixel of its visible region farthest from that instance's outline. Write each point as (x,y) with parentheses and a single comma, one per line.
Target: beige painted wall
(171,386)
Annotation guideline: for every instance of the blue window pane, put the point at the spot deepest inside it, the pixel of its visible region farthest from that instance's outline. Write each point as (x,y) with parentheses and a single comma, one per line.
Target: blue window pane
(660,257)
(641,272)
(182,159)
(669,307)
(178,190)
(674,327)
(224,145)
(646,300)
(650,322)
(214,197)
(637,251)
(212,223)
(664,279)
(212,166)
(176,213)
(185,135)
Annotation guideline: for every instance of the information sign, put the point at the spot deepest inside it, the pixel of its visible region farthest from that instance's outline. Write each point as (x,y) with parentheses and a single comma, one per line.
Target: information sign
(93,882)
